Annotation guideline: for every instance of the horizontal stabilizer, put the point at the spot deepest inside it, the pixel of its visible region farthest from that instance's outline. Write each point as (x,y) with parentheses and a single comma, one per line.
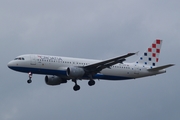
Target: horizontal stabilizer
(160,67)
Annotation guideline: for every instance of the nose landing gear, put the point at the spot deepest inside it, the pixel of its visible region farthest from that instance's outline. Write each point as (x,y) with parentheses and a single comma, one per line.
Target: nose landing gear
(30,76)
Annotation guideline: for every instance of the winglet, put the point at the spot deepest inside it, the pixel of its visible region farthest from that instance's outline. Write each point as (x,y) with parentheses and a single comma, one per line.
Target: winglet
(130,54)
(137,53)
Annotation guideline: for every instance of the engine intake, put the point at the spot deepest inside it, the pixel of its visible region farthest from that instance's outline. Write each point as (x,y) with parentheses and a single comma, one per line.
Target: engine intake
(75,72)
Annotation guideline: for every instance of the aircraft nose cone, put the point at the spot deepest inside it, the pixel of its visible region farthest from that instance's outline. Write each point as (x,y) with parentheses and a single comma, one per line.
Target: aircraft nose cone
(9,64)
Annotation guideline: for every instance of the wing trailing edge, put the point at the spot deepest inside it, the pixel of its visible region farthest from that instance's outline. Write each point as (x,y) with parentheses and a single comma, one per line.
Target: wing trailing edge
(97,67)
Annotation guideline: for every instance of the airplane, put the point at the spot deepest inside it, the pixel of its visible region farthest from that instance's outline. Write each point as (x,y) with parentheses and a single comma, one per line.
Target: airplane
(59,70)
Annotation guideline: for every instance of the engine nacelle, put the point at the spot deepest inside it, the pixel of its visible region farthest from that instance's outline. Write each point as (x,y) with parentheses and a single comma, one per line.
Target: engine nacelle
(75,72)
(54,80)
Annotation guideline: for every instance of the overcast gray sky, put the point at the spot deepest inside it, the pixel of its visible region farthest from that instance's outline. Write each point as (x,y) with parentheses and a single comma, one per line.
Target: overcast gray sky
(97,29)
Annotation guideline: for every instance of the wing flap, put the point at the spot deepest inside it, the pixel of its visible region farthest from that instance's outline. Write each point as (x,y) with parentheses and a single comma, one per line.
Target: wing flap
(160,67)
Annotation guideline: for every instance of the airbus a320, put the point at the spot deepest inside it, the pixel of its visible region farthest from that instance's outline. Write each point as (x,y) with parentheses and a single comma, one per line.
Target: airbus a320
(59,70)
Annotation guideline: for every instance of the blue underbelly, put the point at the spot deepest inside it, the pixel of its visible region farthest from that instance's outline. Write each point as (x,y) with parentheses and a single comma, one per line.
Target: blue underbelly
(63,73)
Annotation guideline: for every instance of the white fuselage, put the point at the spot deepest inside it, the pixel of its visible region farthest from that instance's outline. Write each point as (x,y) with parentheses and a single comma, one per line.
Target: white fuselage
(55,65)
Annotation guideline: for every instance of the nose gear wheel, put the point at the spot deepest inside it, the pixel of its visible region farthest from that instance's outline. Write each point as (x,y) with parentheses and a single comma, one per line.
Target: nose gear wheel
(30,76)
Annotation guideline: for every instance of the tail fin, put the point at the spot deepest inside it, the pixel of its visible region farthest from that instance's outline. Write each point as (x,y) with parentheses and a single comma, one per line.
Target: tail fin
(151,56)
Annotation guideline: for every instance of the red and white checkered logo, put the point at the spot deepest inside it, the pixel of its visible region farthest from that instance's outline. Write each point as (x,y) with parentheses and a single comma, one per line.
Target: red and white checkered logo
(151,56)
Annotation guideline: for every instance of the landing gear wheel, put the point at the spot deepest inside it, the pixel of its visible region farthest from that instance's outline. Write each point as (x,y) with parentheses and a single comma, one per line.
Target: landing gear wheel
(91,83)
(76,88)
(30,76)
(29,81)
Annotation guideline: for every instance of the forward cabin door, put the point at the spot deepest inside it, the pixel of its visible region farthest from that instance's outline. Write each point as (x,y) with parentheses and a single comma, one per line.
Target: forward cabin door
(33,60)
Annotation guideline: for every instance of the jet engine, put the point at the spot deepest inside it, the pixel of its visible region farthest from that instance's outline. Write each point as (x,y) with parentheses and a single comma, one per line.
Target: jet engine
(75,72)
(54,80)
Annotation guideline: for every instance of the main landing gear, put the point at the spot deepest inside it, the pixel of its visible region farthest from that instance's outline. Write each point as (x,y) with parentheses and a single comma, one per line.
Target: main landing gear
(91,81)
(76,86)
(30,76)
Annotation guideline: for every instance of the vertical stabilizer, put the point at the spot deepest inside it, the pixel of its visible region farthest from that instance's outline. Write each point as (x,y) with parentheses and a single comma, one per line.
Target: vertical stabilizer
(151,56)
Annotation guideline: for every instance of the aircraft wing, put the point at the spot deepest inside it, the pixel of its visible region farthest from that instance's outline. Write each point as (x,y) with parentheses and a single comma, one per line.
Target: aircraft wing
(97,67)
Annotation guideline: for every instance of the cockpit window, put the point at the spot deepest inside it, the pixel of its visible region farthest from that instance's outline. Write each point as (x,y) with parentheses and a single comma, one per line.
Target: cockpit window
(19,58)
